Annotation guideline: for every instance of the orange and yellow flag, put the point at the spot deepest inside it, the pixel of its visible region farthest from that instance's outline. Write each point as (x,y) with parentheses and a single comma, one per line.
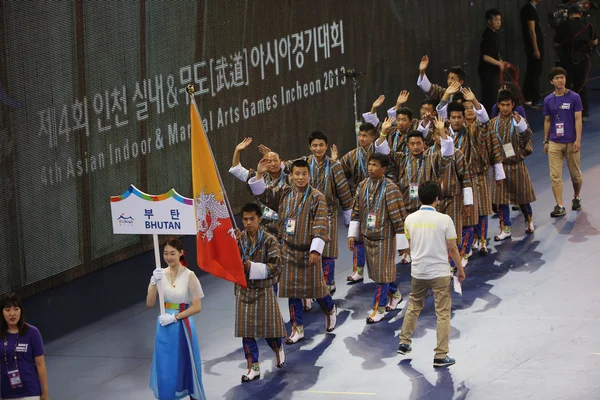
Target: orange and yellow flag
(216,244)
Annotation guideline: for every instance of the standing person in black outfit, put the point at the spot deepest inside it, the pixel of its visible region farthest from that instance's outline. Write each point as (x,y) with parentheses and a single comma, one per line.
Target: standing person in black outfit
(534,51)
(575,38)
(490,64)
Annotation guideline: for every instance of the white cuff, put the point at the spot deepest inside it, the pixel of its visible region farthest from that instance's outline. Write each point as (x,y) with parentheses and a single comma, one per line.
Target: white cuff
(443,110)
(521,126)
(482,115)
(258,186)
(371,118)
(282,165)
(258,271)
(499,172)
(392,113)
(423,83)
(401,242)
(383,148)
(239,172)
(317,245)
(347,216)
(447,147)
(354,230)
(468,196)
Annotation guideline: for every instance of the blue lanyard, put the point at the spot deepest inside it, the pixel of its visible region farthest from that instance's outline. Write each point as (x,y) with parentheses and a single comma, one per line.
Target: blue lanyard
(300,206)
(512,129)
(312,178)
(383,186)
(361,161)
(409,169)
(462,137)
(395,141)
(427,208)
(247,256)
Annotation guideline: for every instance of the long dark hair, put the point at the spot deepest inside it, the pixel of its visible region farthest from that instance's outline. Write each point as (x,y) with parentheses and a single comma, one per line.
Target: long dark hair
(12,300)
(177,245)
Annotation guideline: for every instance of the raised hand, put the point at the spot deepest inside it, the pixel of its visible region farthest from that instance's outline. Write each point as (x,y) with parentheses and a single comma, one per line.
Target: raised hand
(452,89)
(263,150)
(517,116)
(424,64)
(351,240)
(439,124)
(402,98)
(468,94)
(334,152)
(386,127)
(377,103)
(243,144)
(262,167)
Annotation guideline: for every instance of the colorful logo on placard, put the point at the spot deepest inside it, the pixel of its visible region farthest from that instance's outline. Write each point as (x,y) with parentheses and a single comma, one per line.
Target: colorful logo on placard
(123,220)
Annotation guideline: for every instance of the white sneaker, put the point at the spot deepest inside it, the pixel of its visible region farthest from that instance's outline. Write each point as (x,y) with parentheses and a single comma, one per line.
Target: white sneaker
(357,276)
(376,316)
(331,319)
(504,235)
(465,261)
(475,246)
(530,228)
(252,374)
(395,299)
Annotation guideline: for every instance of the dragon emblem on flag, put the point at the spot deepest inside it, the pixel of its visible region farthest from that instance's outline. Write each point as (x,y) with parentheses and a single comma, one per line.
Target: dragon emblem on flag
(208,212)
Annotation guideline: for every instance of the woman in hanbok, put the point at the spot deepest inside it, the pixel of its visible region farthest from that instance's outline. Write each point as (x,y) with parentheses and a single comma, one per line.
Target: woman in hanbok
(176,365)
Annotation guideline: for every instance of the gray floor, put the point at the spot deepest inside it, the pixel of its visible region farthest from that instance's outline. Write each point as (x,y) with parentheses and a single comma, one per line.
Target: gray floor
(527,327)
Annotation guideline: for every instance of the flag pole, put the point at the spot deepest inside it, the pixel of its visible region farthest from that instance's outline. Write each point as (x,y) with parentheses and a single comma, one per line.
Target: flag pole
(190,89)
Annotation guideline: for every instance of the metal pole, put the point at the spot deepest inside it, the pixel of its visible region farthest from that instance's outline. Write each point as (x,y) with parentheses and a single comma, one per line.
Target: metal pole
(161,296)
(356,120)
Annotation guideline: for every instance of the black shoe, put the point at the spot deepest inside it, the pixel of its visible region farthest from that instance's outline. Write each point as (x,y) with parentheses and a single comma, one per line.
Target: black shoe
(516,208)
(559,211)
(576,204)
(443,362)
(404,348)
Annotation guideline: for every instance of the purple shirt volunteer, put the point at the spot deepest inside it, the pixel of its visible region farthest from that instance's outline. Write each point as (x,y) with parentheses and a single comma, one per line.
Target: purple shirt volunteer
(29,346)
(562,109)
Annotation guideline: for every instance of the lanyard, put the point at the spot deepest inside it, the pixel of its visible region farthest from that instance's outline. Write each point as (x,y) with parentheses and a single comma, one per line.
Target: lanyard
(245,254)
(6,351)
(409,169)
(462,137)
(313,179)
(383,185)
(361,161)
(300,206)
(512,129)
(395,141)
(558,109)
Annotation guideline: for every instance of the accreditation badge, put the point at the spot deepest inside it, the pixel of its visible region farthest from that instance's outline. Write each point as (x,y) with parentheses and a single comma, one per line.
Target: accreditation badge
(509,151)
(371,218)
(413,191)
(290,226)
(15,379)
(560,129)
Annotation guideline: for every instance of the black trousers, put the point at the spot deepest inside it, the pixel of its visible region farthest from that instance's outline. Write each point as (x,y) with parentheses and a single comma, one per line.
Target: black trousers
(489,89)
(531,86)
(576,77)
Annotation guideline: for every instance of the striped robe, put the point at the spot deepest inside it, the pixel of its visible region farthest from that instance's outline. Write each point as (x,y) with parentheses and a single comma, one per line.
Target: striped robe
(453,178)
(422,169)
(517,187)
(397,141)
(336,191)
(271,224)
(299,279)
(354,164)
(380,242)
(257,313)
(428,136)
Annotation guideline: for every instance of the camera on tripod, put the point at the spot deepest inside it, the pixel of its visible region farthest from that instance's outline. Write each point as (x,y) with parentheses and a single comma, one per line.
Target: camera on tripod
(562,11)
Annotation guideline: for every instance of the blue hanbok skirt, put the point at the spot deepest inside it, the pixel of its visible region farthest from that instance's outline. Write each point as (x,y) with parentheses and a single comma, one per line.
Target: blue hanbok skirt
(176,365)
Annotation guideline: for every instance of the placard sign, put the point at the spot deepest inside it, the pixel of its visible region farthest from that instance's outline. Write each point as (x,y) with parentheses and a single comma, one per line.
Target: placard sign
(136,212)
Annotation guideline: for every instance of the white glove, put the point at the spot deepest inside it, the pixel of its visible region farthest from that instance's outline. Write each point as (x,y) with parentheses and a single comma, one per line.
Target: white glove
(157,275)
(167,319)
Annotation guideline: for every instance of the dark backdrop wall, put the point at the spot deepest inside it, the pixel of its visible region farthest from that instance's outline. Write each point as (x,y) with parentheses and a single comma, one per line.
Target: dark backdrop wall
(92,99)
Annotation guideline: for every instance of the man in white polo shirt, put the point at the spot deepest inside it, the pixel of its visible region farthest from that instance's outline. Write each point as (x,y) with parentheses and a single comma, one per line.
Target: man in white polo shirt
(431,236)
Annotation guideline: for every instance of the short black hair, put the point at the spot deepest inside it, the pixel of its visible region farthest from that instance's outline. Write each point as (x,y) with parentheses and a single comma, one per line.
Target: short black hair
(429,191)
(430,102)
(368,127)
(382,159)
(491,13)
(459,71)
(417,134)
(252,207)
(405,111)
(454,107)
(458,97)
(317,135)
(299,164)
(554,71)
(505,95)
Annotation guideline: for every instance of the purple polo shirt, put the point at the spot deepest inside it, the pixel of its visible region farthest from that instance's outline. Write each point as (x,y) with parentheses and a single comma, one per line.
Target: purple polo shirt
(28,347)
(562,109)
